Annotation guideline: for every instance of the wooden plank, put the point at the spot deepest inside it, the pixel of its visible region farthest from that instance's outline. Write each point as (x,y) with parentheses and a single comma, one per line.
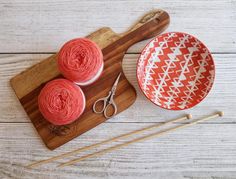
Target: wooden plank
(222,96)
(184,153)
(43,26)
(204,151)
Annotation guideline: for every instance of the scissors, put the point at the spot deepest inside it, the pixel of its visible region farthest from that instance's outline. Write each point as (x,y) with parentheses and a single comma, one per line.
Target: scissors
(108,101)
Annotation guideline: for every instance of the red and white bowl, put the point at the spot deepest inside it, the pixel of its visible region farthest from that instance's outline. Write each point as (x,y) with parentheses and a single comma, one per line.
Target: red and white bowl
(175,71)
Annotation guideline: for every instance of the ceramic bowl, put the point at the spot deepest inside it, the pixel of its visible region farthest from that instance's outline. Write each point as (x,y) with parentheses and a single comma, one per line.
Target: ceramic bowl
(175,71)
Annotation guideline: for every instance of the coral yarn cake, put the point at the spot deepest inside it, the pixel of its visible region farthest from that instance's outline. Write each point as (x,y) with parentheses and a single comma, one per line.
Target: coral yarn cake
(61,101)
(81,61)
(175,71)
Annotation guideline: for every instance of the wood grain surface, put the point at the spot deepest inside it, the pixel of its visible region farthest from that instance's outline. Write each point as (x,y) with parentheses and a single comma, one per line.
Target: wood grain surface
(200,152)
(28,84)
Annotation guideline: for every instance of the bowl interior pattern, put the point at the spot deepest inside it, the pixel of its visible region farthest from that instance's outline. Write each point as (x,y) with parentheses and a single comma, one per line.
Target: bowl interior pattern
(175,71)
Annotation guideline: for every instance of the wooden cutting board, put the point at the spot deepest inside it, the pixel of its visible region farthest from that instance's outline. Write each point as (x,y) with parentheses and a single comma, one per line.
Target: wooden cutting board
(28,84)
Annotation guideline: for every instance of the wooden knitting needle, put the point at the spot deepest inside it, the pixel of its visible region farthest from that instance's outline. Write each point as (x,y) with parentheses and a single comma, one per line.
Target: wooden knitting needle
(141,139)
(188,116)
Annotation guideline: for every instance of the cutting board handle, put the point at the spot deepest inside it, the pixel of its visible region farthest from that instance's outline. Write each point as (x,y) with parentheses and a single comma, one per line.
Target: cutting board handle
(150,25)
(160,18)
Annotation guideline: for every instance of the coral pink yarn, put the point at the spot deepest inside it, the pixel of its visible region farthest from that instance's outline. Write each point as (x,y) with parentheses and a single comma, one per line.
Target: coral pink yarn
(81,61)
(61,101)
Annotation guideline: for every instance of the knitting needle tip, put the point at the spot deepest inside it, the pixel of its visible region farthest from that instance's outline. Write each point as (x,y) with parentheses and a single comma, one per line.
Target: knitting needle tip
(220,113)
(189,116)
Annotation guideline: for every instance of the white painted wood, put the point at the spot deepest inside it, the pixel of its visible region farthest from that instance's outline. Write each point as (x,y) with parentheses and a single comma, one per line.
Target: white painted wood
(43,25)
(188,152)
(222,96)
(203,151)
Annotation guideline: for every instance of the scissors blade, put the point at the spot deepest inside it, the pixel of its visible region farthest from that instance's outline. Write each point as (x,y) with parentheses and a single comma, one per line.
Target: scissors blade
(116,83)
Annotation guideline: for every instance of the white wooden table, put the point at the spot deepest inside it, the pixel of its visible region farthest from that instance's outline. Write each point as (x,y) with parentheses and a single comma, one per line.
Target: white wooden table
(32,30)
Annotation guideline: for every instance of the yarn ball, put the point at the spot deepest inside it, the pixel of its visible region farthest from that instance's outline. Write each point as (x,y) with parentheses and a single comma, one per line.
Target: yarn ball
(61,101)
(81,61)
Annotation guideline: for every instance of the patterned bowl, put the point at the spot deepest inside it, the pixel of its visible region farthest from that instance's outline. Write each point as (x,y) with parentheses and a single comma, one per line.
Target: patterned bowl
(175,71)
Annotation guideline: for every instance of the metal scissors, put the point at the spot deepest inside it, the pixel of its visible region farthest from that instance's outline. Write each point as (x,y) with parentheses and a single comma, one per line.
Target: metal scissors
(108,101)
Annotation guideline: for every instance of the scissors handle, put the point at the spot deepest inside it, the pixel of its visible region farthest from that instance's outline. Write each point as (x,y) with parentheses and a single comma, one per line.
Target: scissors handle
(107,104)
(111,104)
(101,100)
